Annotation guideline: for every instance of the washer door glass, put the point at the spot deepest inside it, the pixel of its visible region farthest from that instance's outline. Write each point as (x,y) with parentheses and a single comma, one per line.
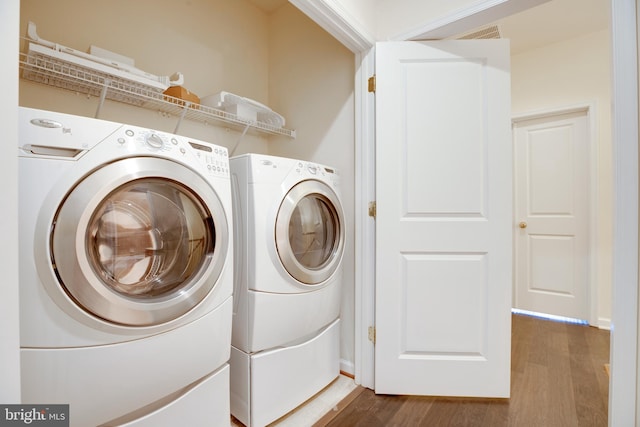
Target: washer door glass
(310,232)
(140,241)
(148,238)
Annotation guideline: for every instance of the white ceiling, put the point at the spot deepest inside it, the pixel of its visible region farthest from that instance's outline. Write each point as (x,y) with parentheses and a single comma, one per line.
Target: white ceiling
(548,23)
(554,21)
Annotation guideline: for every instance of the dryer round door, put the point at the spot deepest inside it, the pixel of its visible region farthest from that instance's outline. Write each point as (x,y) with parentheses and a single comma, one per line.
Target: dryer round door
(140,241)
(310,232)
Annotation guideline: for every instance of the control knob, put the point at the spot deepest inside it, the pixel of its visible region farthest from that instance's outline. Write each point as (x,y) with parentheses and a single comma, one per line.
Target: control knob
(154,140)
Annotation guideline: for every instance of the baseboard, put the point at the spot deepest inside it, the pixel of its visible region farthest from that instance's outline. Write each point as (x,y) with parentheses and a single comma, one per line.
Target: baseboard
(348,375)
(347,368)
(604,323)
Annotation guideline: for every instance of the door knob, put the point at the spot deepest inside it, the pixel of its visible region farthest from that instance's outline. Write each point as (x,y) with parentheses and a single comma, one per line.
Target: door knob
(523,224)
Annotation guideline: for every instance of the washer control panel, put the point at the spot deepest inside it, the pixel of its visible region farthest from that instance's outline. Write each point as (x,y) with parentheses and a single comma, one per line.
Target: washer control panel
(214,158)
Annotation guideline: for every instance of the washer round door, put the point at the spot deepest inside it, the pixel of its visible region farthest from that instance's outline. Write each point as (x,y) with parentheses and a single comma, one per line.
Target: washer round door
(134,244)
(310,232)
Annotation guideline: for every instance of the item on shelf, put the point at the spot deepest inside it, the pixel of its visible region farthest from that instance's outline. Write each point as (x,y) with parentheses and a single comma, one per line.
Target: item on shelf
(113,64)
(244,108)
(115,58)
(179,95)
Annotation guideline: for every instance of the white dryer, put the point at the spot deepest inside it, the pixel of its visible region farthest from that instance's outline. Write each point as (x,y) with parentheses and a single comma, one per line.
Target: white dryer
(289,239)
(126,272)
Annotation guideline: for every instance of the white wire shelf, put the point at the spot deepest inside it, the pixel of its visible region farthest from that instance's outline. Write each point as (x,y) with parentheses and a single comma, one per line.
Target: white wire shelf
(53,71)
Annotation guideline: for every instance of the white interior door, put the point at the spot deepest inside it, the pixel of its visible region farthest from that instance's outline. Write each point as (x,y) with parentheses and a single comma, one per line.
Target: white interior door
(552,211)
(444,218)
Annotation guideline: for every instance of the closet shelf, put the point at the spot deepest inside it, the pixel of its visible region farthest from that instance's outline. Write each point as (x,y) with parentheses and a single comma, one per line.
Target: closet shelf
(67,75)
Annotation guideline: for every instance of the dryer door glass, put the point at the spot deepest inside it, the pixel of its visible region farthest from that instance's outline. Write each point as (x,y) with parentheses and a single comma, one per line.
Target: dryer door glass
(310,232)
(313,231)
(148,238)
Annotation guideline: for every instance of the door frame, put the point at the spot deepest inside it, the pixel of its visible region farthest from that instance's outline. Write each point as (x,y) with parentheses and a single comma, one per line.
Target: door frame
(623,385)
(592,189)
(625,15)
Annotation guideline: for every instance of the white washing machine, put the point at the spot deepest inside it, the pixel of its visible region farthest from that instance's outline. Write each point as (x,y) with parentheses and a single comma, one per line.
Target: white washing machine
(126,272)
(289,239)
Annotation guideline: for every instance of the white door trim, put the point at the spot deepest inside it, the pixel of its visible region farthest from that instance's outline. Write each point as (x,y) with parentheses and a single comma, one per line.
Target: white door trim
(365,227)
(338,22)
(9,295)
(623,386)
(592,188)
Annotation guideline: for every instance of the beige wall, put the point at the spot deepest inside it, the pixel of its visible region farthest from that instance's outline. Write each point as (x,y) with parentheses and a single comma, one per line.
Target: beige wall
(281,59)
(217,45)
(361,12)
(312,83)
(566,74)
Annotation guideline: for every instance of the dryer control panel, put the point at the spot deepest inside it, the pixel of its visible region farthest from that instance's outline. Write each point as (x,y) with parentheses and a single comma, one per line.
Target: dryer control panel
(318,171)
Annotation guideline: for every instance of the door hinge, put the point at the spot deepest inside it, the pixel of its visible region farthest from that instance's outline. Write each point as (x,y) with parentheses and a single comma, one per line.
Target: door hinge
(372,83)
(372,209)
(372,334)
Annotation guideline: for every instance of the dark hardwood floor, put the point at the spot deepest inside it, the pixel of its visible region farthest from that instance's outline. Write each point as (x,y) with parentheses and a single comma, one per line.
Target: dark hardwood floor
(558,378)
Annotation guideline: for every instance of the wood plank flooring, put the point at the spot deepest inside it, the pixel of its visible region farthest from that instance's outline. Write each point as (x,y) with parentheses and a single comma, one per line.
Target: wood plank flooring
(558,379)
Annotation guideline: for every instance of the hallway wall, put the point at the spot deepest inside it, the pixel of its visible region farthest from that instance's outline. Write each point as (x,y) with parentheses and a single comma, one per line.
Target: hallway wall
(565,74)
